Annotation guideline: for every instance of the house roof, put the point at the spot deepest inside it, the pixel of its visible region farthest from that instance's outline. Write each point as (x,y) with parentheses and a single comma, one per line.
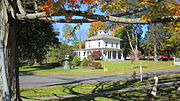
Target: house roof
(103,36)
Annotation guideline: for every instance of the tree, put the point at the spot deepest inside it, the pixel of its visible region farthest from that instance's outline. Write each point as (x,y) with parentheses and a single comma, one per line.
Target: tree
(12,10)
(96,26)
(84,62)
(170,45)
(70,38)
(155,37)
(34,40)
(131,35)
(121,32)
(60,51)
(76,61)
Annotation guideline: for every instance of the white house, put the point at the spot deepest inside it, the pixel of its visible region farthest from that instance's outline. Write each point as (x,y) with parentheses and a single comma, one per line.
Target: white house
(108,45)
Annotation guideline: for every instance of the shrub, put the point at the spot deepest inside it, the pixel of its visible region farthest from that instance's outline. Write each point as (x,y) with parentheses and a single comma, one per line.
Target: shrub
(53,59)
(84,62)
(96,65)
(76,61)
(96,55)
(134,75)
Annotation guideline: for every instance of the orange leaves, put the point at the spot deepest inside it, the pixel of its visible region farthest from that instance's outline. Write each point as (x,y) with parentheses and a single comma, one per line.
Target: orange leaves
(69,33)
(173,27)
(60,6)
(46,6)
(96,26)
(159,8)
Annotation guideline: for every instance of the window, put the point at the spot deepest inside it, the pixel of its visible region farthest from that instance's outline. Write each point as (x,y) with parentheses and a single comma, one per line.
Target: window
(112,45)
(89,45)
(106,44)
(79,53)
(84,53)
(99,44)
(116,45)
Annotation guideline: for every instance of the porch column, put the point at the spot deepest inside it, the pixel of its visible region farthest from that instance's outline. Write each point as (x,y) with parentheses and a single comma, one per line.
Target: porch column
(122,57)
(117,55)
(103,55)
(111,54)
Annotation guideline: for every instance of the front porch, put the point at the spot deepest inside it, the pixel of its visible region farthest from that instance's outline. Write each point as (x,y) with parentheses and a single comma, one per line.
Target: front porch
(108,54)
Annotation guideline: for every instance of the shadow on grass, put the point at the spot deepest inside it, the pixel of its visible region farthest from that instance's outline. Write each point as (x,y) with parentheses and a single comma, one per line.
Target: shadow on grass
(165,93)
(138,67)
(37,68)
(168,93)
(102,87)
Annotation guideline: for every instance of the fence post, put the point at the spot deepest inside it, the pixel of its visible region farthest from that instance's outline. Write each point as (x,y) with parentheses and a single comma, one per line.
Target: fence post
(6,94)
(154,88)
(141,78)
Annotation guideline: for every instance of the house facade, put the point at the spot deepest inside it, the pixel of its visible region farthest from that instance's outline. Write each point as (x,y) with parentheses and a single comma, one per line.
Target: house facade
(109,46)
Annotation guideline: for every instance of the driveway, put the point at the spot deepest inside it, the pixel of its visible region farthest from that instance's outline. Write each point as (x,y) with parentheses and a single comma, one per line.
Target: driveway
(30,81)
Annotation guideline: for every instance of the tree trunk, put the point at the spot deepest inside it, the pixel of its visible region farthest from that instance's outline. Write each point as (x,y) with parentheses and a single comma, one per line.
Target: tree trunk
(8,32)
(155,47)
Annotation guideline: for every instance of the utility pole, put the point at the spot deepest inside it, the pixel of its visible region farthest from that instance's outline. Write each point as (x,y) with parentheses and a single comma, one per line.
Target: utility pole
(6,94)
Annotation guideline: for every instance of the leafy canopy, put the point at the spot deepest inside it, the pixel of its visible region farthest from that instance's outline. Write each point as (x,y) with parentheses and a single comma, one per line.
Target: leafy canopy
(148,10)
(96,26)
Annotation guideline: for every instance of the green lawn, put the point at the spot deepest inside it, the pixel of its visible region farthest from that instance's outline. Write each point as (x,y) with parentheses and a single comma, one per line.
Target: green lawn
(169,93)
(114,67)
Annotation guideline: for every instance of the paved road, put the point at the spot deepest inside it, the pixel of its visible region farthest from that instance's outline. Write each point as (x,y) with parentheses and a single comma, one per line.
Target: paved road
(30,81)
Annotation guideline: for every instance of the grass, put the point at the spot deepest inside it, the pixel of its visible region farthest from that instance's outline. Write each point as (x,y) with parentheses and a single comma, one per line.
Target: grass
(114,67)
(169,93)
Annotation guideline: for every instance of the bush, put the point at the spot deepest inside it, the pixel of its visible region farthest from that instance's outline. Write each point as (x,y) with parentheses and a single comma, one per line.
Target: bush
(84,62)
(96,55)
(96,65)
(76,61)
(53,59)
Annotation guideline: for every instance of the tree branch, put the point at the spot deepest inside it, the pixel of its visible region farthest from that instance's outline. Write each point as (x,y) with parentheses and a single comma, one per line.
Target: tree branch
(130,12)
(94,17)
(66,21)
(20,7)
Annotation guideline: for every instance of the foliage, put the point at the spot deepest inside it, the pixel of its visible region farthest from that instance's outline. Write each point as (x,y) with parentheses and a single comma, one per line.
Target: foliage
(170,45)
(84,62)
(96,65)
(120,31)
(34,39)
(68,8)
(54,60)
(96,26)
(76,61)
(60,51)
(155,37)
(96,55)
(130,35)
(154,9)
